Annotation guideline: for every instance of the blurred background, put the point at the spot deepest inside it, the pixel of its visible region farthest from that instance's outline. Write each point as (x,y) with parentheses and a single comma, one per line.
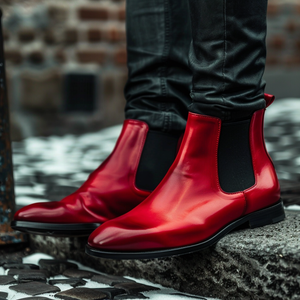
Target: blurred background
(66,65)
(66,62)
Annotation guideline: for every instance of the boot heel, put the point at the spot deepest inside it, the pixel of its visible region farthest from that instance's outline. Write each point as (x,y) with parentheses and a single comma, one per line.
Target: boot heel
(266,216)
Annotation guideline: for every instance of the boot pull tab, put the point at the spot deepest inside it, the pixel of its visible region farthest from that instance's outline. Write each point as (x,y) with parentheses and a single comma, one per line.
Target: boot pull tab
(269,99)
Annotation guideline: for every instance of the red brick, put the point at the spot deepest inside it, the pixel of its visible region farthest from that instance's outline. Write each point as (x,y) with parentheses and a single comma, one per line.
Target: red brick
(57,12)
(36,57)
(90,13)
(297,45)
(122,13)
(71,35)
(293,60)
(276,42)
(49,37)
(291,26)
(60,55)
(120,56)
(94,35)
(97,56)
(5,35)
(273,9)
(115,34)
(14,56)
(26,35)
(272,60)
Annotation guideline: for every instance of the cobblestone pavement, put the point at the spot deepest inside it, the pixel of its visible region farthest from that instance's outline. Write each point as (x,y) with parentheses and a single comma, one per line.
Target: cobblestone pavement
(39,277)
(50,168)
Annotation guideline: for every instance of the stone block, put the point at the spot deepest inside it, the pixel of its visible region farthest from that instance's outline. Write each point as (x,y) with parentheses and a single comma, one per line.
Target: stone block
(248,264)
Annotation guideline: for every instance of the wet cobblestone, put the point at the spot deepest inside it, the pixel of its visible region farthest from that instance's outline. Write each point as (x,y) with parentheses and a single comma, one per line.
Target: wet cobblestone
(3,296)
(110,279)
(73,273)
(56,267)
(34,288)
(74,282)
(5,280)
(58,286)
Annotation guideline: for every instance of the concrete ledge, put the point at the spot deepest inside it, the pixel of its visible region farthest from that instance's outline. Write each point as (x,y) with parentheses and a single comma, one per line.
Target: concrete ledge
(262,263)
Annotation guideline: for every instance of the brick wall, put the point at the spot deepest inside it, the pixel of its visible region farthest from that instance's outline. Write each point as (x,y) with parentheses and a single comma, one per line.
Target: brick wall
(47,39)
(283,39)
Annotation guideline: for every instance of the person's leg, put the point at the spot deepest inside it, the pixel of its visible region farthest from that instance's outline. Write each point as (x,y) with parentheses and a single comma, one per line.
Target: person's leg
(227,57)
(222,176)
(158,41)
(158,38)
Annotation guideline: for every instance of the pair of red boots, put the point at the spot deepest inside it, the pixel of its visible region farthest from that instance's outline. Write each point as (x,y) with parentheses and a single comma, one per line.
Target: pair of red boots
(188,211)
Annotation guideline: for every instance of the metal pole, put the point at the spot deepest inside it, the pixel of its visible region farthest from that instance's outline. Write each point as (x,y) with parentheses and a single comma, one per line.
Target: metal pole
(7,195)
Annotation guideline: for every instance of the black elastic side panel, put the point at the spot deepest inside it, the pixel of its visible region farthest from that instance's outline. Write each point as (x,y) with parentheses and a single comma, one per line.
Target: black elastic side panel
(234,157)
(158,154)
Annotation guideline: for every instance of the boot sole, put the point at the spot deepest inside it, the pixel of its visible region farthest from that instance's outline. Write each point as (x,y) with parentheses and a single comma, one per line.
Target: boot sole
(266,216)
(62,230)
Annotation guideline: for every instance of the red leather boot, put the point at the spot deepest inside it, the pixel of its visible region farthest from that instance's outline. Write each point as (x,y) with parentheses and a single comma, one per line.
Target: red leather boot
(189,210)
(110,191)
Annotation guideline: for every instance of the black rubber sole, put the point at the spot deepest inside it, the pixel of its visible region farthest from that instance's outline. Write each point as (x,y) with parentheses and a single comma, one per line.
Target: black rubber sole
(266,216)
(55,229)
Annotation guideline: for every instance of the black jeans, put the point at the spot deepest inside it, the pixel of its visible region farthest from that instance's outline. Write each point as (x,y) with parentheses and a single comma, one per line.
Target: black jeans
(203,56)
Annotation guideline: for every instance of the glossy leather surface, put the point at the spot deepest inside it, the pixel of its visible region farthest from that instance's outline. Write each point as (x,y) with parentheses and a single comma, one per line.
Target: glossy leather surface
(189,206)
(109,191)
